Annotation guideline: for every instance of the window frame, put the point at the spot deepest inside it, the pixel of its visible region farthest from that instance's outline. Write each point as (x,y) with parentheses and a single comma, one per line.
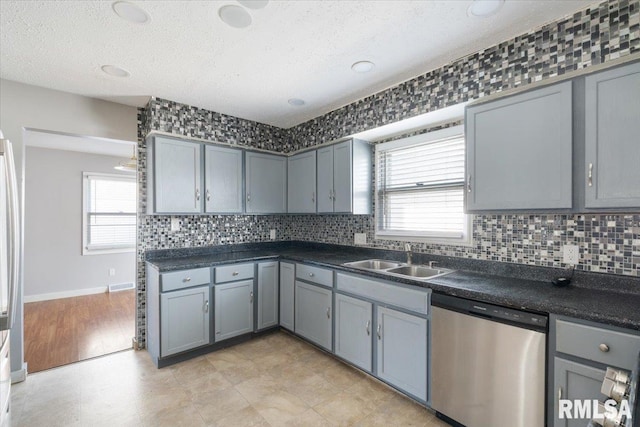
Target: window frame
(434,237)
(102,249)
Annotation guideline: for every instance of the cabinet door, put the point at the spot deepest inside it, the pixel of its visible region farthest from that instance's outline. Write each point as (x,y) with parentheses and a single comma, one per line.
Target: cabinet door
(402,351)
(223,179)
(267,294)
(266,181)
(519,151)
(302,183)
(234,309)
(287,295)
(313,313)
(574,381)
(325,179)
(184,320)
(342,177)
(177,176)
(353,331)
(612,112)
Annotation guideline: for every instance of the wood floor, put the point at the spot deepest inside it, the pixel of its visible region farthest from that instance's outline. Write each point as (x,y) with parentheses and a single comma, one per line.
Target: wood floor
(66,330)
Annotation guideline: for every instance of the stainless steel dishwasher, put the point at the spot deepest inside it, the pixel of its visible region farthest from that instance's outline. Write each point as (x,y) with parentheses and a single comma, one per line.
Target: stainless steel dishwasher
(487,364)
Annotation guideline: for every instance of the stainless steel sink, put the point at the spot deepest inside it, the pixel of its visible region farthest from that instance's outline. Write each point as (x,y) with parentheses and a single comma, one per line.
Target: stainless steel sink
(373,264)
(417,271)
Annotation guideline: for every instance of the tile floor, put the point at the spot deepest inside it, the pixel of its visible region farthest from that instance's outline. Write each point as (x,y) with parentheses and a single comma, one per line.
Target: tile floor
(275,380)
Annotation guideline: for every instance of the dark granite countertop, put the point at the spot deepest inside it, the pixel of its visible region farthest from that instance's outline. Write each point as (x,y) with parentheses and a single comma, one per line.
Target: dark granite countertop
(604,298)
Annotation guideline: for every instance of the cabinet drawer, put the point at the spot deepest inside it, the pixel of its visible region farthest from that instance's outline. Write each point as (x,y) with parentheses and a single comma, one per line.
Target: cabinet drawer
(184,279)
(585,341)
(412,299)
(317,275)
(234,272)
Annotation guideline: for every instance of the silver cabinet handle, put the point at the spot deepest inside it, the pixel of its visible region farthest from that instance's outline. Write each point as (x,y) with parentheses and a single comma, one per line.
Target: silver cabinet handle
(311,274)
(248,197)
(313,197)
(208,195)
(469,184)
(235,273)
(604,348)
(590,175)
(186,279)
(197,194)
(559,393)
(368,327)
(251,296)
(206,306)
(328,312)
(379,331)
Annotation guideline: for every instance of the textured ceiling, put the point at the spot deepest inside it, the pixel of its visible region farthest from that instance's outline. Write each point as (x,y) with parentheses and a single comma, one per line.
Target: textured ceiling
(293,49)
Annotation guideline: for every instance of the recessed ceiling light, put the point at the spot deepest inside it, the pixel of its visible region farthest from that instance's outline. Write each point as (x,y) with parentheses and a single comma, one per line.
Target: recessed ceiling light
(130,12)
(296,102)
(254,4)
(114,70)
(363,66)
(235,16)
(484,8)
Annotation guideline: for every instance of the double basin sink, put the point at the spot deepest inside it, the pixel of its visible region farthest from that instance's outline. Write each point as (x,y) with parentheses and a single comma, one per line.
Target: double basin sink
(398,269)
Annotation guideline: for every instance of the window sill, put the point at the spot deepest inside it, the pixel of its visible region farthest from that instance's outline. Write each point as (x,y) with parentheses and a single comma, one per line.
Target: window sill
(466,241)
(106,251)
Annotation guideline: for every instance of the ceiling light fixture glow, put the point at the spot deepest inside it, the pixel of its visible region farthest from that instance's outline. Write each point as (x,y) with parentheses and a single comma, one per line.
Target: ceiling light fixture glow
(253,4)
(130,12)
(363,66)
(296,102)
(234,16)
(484,8)
(115,71)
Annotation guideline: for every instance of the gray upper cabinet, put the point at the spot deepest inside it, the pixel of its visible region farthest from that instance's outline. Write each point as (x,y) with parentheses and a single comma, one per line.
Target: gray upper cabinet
(354,323)
(612,148)
(266,183)
(267,295)
(287,295)
(234,309)
(344,179)
(519,151)
(301,193)
(175,179)
(223,179)
(185,319)
(313,310)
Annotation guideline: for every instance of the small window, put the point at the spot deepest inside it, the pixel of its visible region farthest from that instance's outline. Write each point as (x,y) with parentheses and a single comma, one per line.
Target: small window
(109,213)
(420,188)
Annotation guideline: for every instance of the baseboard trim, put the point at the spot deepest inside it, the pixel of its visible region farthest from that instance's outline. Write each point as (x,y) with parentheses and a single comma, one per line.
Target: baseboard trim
(65,294)
(19,375)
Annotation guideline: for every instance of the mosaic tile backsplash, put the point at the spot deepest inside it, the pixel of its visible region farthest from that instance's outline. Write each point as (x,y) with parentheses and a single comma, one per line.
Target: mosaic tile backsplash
(608,243)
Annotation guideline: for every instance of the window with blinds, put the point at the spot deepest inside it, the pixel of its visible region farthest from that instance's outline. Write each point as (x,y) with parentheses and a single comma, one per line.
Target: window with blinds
(109,213)
(420,188)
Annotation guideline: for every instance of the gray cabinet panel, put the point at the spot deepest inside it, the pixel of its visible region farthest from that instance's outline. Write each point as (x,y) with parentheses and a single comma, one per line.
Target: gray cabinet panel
(325,179)
(287,295)
(354,323)
(574,381)
(519,151)
(402,351)
(313,310)
(185,319)
(223,179)
(267,294)
(234,309)
(266,182)
(612,151)
(301,190)
(176,176)
(343,177)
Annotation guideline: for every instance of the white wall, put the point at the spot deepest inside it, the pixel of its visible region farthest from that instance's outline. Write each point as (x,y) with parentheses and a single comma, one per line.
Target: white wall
(35,107)
(53,260)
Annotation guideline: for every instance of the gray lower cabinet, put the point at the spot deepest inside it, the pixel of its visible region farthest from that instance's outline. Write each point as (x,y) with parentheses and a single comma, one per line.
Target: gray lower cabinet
(313,313)
(575,381)
(266,183)
(233,309)
(301,188)
(287,295)
(185,319)
(267,295)
(353,326)
(519,151)
(223,179)
(612,151)
(402,351)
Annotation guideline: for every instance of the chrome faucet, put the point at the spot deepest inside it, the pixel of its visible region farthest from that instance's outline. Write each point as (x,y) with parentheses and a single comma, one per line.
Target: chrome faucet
(407,248)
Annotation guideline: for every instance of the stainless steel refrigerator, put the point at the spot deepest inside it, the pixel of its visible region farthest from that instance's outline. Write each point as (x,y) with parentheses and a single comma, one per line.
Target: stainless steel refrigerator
(9,267)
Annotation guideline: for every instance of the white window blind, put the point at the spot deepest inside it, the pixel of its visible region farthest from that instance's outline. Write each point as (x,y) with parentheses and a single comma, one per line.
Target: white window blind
(420,187)
(109,212)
